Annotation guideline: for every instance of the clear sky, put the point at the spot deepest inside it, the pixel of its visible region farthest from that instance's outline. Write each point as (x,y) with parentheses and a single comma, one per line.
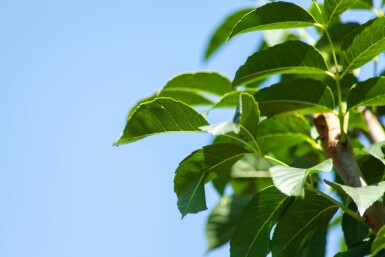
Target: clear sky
(69,72)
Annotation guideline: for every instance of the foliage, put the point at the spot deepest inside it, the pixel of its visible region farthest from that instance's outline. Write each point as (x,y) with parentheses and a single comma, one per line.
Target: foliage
(267,154)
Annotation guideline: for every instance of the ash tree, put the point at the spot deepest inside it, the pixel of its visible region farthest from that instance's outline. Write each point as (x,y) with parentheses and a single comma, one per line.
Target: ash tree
(320,116)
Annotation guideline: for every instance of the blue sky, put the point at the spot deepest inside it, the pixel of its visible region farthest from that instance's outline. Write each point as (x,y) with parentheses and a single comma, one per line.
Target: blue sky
(69,72)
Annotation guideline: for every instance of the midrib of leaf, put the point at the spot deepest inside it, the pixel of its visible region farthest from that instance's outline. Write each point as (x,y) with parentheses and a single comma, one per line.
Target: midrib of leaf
(263,225)
(284,68)
(203,175)
(334,11)
(353,61)
(295,101)
(310,221)
(371,99)
(252,137)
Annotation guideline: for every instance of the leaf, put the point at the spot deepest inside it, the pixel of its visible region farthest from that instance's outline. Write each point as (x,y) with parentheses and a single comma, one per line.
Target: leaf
(377,151)
(367,93)
(363,44)
(278,15)
(231,99)
(299,225)
(364,197)
(191,88)
(282,131)
(252,235)
(159,116)
(303,95)
(247,115)
(291,181)
(371,167)
(219,37)
(245,120)
(354,231)
(358,250)
(223,219)
(378,243)
(337,33)
(199,167)
(316,248)
(290,57)
(333,8)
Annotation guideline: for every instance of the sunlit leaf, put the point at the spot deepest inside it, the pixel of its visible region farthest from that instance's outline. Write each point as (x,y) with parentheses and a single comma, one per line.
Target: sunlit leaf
(252,235)
(231,99)
(290,57)
(199,167)
(223,31)
(303,95)
(276,15)
(223,219)
(364,197)
(245,120)
(159,116)
(377,150)
(291,181)
(300,224)
(368,93)
(363,44)
(333,8)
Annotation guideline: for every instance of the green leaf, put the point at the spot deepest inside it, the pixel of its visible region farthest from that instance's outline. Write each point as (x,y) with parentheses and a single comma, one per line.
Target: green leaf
(206,82)
(334,8)
(354,231)
(299,225)
(252,235)
(364,197)
(368,93)
(291,181)
(363,44)
(378,243)
(277,15)
(282,131)
(192,88)
(200,167)
(245,120)
(159,116)
(358,250)
(291,57)
(247,115)
(231,99)
(371,167)
(223,31)
(377,150)
(301,95)
(223,219)
(337,33)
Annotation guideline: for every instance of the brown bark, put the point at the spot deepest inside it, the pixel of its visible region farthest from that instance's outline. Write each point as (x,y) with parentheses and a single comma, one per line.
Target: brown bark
(345,163)
(375,130)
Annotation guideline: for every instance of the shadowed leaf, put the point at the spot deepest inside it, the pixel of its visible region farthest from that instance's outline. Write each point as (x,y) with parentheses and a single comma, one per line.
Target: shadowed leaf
(252,235)
(200,167)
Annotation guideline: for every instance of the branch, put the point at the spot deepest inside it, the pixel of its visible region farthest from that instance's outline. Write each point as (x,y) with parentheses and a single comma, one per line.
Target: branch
(345,163)
(375,129)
